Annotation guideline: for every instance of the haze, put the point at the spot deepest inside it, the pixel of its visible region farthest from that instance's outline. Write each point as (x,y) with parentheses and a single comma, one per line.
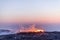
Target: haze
(30,10)
(43,11)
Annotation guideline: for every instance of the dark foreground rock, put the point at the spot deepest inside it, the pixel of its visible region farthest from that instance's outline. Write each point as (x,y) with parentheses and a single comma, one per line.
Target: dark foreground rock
(32,36)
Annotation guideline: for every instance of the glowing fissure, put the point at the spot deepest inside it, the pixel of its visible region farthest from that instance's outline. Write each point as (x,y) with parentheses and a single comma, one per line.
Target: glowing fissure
(32,29)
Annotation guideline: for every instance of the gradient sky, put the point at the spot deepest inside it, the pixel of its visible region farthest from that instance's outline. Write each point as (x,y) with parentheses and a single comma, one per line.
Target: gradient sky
(30,10)
(44,11)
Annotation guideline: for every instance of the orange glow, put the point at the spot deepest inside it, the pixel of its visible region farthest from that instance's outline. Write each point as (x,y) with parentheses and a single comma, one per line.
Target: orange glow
(40,30)
(32,29)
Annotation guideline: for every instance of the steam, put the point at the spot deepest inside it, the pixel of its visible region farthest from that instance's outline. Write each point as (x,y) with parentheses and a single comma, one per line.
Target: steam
(30,29)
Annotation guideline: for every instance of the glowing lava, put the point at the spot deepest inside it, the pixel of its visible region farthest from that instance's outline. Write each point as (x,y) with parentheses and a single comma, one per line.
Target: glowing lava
(40,30)
(32,29)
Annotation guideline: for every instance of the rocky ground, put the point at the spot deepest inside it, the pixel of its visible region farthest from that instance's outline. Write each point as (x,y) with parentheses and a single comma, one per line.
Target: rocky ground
(32,36)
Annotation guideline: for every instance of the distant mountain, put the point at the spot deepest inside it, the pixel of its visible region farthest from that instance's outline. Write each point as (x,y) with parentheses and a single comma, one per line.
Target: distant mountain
(5,32)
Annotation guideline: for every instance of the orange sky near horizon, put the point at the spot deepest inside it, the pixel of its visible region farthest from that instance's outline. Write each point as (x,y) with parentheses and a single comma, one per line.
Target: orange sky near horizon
(27,19)
(30,11)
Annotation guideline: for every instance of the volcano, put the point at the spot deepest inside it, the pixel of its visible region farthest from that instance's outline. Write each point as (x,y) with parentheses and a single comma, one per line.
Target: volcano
(31,29)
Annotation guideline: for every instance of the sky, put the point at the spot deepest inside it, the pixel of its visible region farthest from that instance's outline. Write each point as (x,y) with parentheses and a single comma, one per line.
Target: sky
(44,11)
(30,10)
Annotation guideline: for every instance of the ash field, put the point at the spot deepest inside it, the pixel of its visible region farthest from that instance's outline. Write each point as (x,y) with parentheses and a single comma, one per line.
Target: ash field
(32,36)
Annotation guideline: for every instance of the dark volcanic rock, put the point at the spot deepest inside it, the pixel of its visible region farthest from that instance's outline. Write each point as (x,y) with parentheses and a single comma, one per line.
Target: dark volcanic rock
(32,36)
